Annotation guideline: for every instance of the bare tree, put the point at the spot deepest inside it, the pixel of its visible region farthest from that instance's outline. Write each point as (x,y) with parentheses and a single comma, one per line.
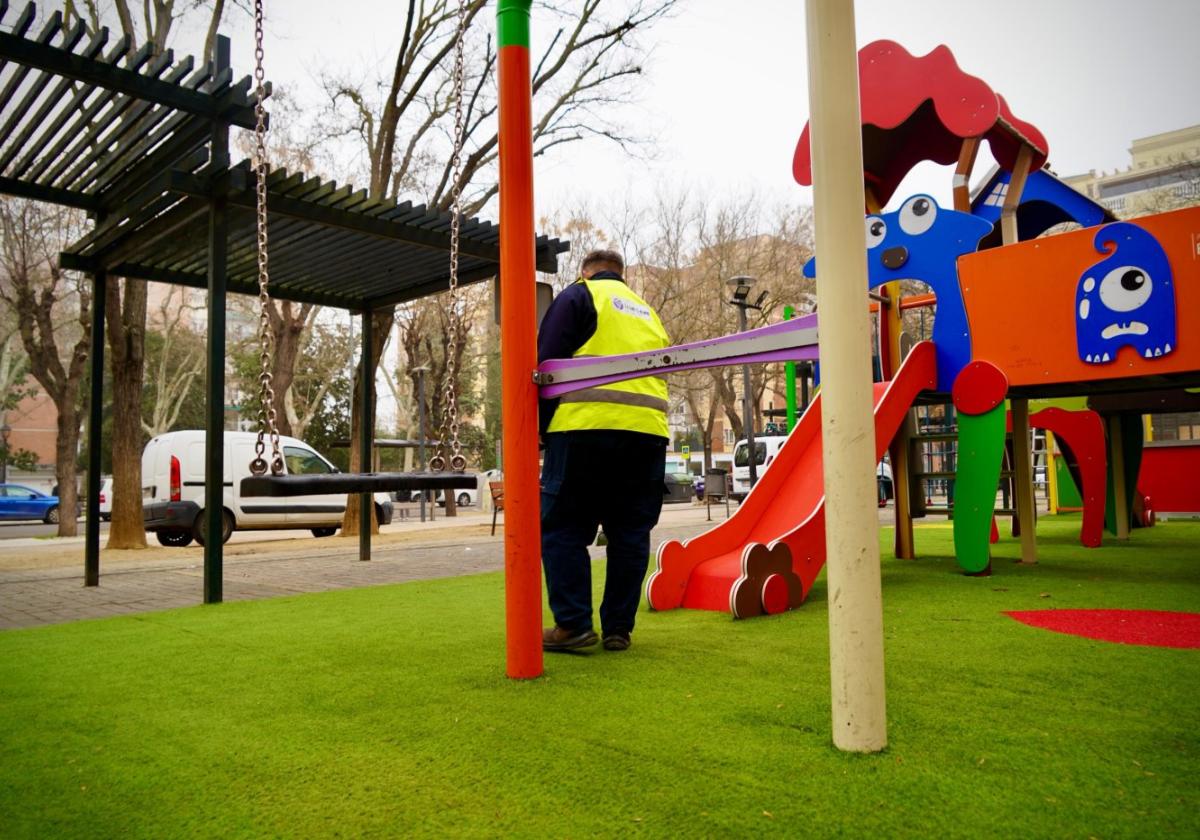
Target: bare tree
(180,362)
(125,300)
(694,249)
(14,363)
(308,389)
(578,226)
(53,311)
(402,123)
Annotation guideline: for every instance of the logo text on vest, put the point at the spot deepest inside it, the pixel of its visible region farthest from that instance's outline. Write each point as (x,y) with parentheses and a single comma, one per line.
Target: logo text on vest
(628,307)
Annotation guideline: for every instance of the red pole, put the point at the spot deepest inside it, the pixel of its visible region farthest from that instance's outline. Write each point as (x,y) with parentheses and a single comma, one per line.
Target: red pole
(518,343)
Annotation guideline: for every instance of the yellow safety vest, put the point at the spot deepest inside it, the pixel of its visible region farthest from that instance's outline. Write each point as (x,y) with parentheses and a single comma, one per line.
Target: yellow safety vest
(624,324)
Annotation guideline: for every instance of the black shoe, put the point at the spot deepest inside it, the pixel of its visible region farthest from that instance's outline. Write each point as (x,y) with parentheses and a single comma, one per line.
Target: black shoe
(617,641)
(556,639)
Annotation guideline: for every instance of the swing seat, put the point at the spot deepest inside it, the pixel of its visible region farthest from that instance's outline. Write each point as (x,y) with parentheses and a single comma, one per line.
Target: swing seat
(345,483)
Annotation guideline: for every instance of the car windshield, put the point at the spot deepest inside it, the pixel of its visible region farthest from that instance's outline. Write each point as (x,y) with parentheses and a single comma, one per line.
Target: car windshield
(14,492)
(741,456)
(304,461)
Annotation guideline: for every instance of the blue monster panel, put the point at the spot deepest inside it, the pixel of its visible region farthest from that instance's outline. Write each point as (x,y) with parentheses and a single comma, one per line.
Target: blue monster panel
(922,241)
(1127,299)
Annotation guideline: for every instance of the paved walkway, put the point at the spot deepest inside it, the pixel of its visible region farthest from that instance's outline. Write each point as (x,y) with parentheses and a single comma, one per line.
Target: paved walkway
(41,582)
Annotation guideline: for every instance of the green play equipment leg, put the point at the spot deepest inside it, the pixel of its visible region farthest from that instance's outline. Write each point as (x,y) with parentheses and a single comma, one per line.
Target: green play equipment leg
(980,455)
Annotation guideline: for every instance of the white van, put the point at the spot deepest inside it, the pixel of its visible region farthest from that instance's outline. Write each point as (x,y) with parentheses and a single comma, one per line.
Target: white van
(173,490)
(766,448)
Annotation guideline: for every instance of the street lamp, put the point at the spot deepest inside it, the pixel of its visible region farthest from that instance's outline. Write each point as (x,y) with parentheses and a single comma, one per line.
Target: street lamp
(739,287)
(5,431)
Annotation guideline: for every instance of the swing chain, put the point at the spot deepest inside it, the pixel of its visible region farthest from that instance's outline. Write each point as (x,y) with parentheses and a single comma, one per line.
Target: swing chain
(266,408)
(450,425)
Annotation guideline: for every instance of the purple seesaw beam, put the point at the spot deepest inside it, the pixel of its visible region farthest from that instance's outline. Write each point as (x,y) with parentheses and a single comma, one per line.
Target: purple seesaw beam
(788,341)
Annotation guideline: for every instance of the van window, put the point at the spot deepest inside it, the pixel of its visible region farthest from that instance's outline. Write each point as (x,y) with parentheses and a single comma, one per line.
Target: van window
(304,461)
(741,456)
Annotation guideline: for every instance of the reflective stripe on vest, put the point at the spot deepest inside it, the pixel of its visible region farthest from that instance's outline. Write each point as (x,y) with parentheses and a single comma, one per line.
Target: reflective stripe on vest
(624,324)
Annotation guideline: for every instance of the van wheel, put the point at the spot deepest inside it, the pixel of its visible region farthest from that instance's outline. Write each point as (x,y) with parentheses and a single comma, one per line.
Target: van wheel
(324,532)
(173,538)
(463,499)
(226,527)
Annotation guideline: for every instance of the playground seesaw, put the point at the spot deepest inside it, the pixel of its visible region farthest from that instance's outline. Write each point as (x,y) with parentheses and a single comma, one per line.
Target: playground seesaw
(794,340)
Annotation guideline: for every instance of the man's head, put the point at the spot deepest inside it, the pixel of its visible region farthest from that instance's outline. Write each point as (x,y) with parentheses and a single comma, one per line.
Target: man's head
(603,260)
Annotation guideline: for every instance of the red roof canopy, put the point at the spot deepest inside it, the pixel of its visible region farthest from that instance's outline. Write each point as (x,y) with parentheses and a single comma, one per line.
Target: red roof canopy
(916,109)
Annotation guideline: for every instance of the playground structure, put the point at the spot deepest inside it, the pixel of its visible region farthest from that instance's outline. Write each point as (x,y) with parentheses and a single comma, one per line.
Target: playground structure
(191,223)
(1110,309)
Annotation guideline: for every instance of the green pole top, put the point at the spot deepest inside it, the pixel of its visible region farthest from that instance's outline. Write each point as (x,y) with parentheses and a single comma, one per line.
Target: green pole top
(512,23)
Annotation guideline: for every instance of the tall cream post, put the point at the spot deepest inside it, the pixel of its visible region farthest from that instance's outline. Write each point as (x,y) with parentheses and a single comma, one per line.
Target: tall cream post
(847,422)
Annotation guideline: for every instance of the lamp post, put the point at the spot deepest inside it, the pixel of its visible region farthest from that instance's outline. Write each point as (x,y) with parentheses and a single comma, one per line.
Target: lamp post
(5,431)
(739,287)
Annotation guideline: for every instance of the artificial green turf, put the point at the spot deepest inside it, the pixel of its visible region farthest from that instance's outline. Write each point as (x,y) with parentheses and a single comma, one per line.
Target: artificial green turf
(385,712)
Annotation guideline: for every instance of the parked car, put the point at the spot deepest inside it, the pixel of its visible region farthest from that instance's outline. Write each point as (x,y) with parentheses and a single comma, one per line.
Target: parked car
(20,502)
(469,496)
(106,499)
(173,490)
(465,497)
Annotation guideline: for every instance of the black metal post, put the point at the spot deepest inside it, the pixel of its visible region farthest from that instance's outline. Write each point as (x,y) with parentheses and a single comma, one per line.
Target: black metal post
(214,408)
(91,551)
(365,429)
(747,415)
(421,429)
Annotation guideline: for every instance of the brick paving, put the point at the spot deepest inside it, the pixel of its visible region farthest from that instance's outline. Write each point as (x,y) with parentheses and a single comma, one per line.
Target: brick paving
(31,597)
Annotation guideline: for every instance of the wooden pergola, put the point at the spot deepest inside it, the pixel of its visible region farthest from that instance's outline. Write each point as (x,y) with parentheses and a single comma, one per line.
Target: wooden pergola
(141,142)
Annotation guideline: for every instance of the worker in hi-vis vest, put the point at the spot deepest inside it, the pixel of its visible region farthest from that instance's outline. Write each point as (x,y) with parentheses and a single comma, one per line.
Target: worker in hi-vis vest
(605,457)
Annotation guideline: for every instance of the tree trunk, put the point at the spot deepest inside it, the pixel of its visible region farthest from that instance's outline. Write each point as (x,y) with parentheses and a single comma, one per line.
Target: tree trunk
(125,315)
(288,328)
(66,448)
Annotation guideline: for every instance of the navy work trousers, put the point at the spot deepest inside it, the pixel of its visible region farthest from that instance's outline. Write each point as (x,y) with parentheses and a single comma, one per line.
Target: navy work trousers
(603,478)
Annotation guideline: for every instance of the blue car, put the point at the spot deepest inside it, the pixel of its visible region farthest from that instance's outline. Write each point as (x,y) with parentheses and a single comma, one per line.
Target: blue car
(20,502)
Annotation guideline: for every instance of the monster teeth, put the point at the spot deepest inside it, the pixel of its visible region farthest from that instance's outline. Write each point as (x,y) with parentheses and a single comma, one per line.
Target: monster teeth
(1149,355)
(1167,349)
(1105,359)
(1157,351)
(1088,358)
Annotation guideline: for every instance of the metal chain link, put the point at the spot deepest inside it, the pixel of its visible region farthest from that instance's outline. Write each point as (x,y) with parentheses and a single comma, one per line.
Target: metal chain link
(450,416)
(266,409)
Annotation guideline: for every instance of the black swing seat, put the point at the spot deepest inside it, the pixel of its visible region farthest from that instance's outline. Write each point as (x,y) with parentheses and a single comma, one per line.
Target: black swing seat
(309,485)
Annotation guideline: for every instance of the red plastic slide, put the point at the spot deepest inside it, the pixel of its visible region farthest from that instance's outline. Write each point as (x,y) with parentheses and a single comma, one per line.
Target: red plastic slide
(766,556)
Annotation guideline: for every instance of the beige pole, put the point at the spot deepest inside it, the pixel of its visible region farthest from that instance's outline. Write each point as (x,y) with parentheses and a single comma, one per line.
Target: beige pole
(1019,406)
(847,422)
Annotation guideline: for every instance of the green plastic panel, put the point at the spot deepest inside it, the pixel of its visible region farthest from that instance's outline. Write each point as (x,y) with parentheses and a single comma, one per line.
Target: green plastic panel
(1068,493)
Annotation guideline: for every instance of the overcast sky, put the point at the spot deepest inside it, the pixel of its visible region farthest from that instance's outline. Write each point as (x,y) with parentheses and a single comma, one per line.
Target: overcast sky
(725,90)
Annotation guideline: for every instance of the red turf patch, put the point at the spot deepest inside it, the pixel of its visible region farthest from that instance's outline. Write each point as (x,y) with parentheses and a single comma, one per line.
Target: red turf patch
(1127,627)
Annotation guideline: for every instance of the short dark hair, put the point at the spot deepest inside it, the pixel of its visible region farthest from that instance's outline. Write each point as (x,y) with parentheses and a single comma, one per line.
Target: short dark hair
(604,260)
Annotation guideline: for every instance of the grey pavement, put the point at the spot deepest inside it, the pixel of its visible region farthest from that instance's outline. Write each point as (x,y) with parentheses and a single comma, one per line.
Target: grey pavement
(53,594)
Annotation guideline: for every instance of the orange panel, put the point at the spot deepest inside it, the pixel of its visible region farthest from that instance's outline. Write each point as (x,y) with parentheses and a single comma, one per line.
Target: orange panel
(1021,303)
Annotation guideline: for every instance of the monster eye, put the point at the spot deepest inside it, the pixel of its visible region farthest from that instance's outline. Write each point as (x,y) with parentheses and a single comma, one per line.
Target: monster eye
(1125,288)
(876,231)
(917,215)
